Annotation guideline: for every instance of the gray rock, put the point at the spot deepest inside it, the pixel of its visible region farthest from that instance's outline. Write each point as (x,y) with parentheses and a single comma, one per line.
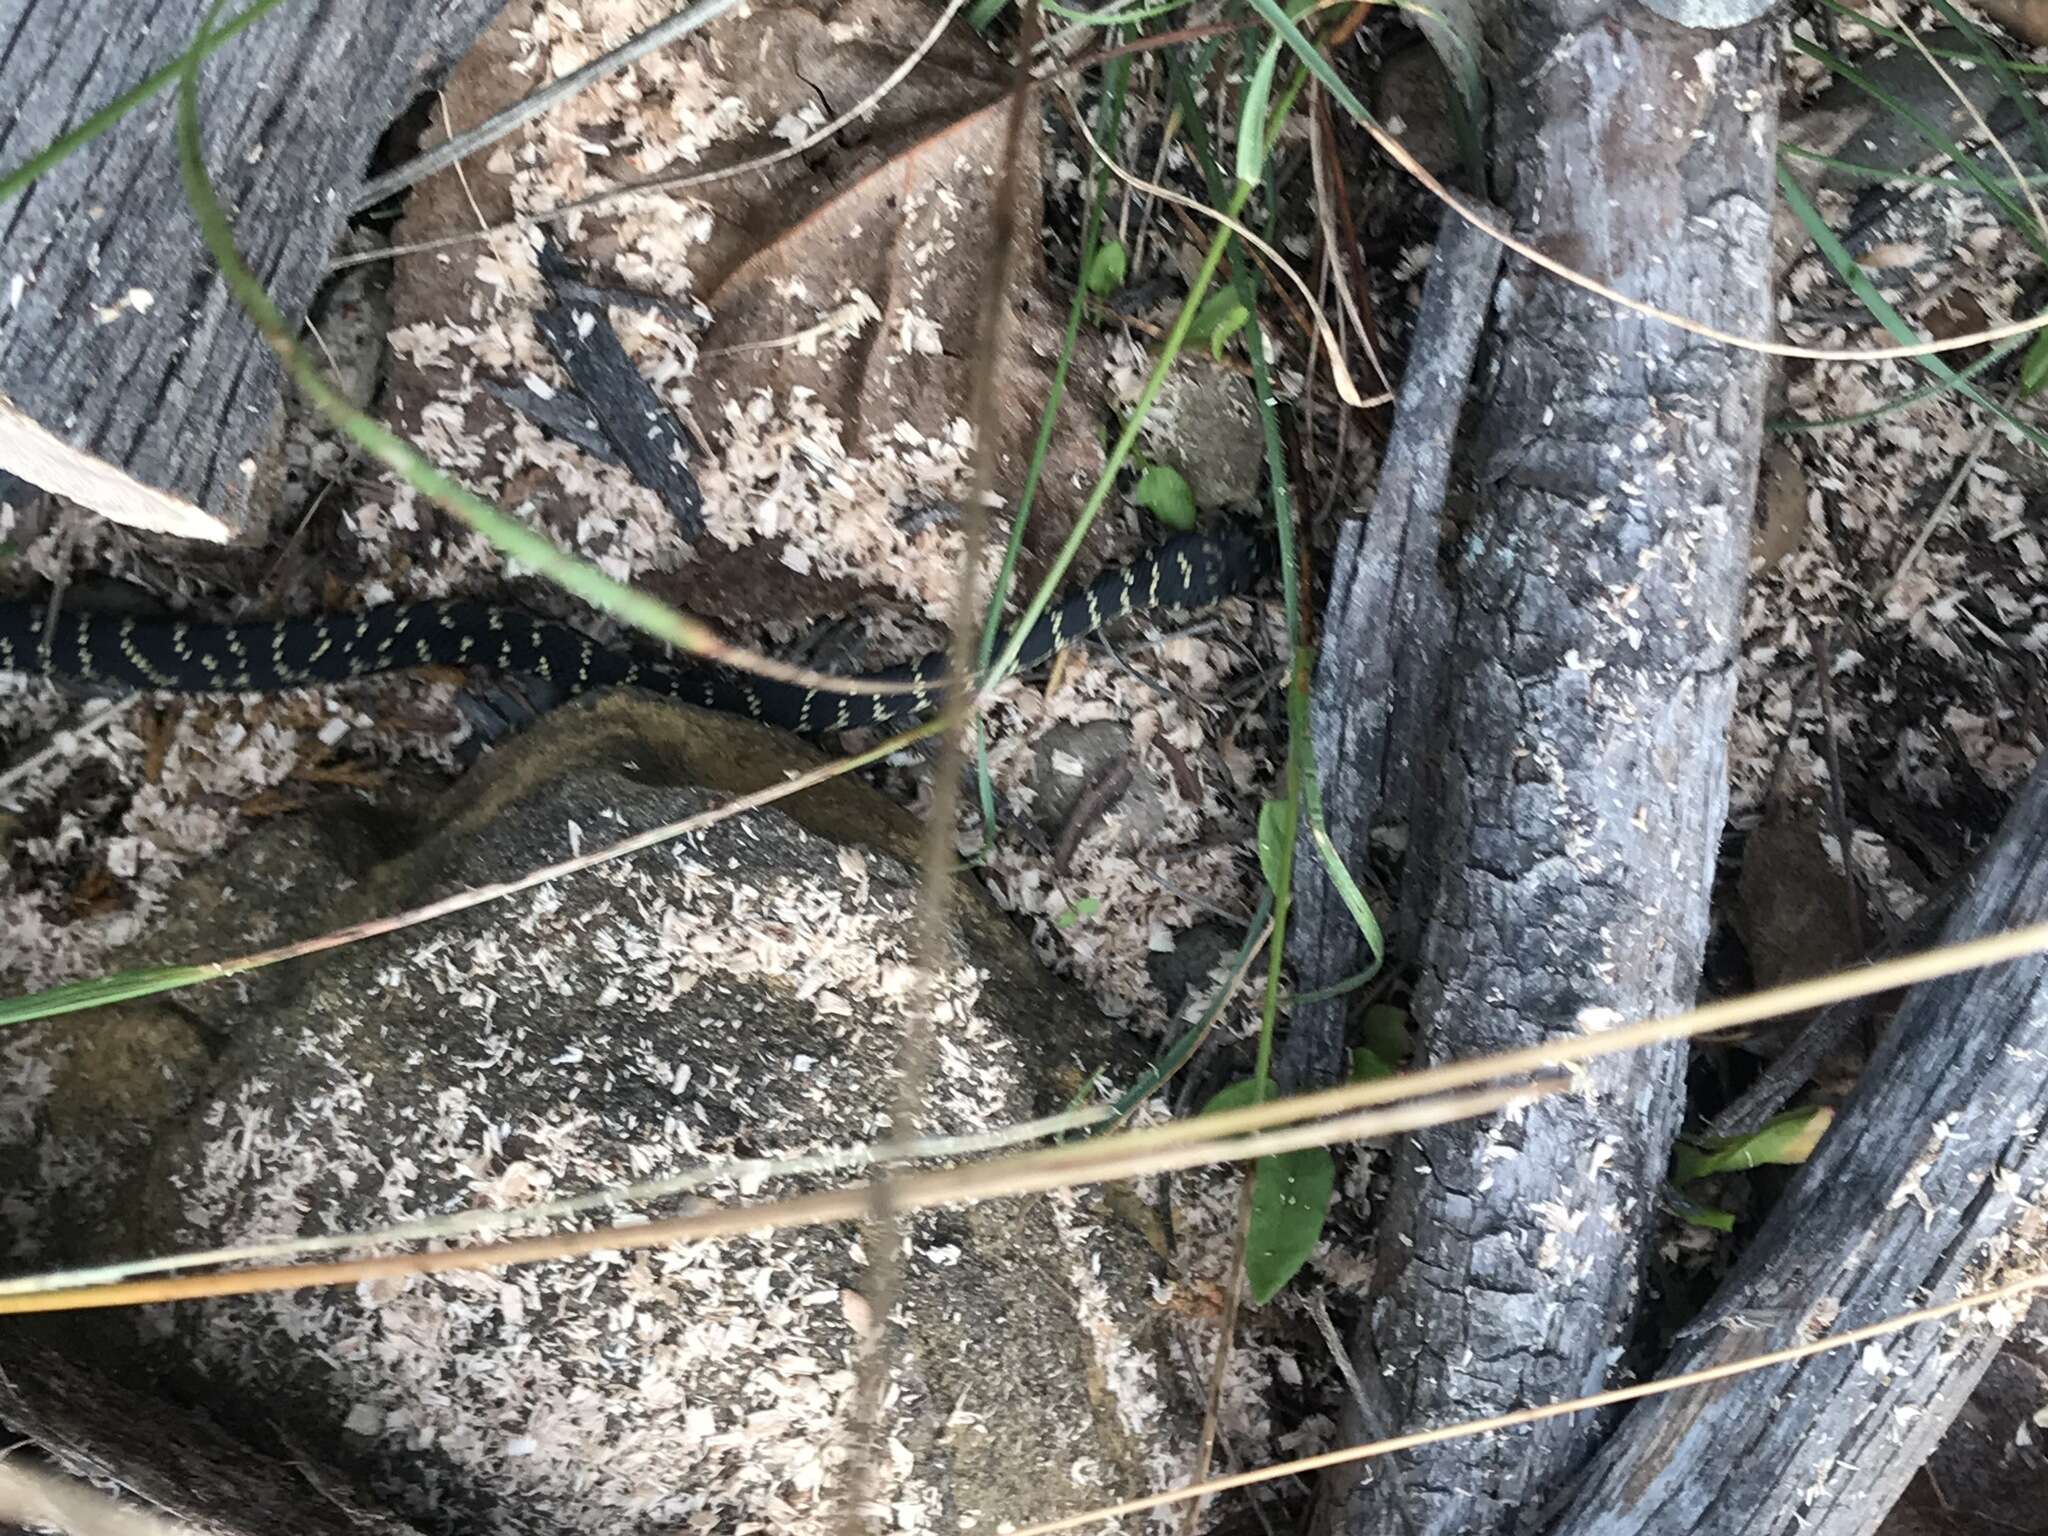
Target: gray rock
(1206,425)
(1095,746)
(1184,970)
(734,993)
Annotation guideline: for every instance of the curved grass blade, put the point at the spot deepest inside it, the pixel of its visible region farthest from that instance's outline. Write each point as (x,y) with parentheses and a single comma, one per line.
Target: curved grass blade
(1878,28)
(39,164)
(999,591)
(511,537)
(1879,174)
(1838,257)
(1794,424)
(1177,1055)
(2022,221)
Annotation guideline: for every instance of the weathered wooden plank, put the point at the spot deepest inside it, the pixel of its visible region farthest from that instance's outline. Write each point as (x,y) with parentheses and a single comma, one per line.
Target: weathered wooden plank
(1594,589)
(1929,1184)
(129,380)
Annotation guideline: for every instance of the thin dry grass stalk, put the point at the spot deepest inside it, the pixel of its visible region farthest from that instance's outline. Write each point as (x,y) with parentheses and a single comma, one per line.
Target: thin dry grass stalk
(1161,1149)
(2011,1290)
(1347,387)
(1395,151)
(484,895)
(1113,1157)
(680,181)
(931,925)
(476,1221)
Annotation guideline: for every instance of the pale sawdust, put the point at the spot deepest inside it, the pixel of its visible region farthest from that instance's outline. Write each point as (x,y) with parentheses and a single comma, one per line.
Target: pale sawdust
(739,1353)
(1937,677)
(778,469)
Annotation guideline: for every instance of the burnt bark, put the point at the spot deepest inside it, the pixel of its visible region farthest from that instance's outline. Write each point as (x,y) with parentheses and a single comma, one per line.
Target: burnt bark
(1928,1186)
(1374,709)
(129,379)
(641,430)
(1593,598)
(173,1460)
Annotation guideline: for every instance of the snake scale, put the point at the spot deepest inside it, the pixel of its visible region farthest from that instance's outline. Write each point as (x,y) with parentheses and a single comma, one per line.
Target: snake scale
(1188,571)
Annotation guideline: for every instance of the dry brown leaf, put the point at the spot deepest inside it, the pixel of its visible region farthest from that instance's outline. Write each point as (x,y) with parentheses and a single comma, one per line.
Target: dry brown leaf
(2025,19)
(897,221)
(850,278)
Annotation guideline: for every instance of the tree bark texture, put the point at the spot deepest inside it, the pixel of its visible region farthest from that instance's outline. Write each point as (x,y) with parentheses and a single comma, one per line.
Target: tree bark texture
(129,378)
(176,1461)
(1376,708)
(1595,588)
(1930,1184)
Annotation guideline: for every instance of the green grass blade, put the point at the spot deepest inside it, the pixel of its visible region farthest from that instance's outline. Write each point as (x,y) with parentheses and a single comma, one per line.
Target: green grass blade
(1119,452)
(1108,122)
(2022,221)
(1349,984)
(17,180)
(1251,127)
(1993,57)
(1794,424)
(1872,24)
(1113,18)
(1318,66)
(1878,173)
(1178,1053)
(1838,257)
(511,537)
(105,991)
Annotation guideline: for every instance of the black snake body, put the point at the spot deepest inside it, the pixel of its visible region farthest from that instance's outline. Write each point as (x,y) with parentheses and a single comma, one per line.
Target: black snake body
(1188,571)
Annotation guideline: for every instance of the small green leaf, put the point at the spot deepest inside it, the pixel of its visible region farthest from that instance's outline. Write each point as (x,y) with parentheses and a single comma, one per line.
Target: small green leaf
(1163,492)
(982,12)
(1239,1095)
(1697,1214)
(1386,1032)
(1290,1198)
(1251,118)
(1087,906)
(1788,1139)
(2034,366)
(1221,316)
(1368,1065)
(1276,825)
(1107,268)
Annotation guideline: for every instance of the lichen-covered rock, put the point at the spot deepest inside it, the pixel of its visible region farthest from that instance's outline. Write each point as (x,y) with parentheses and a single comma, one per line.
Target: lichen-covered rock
(737,992)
